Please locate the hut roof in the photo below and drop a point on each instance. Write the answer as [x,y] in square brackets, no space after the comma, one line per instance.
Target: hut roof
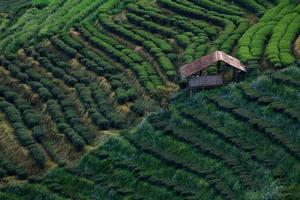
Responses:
[204,62]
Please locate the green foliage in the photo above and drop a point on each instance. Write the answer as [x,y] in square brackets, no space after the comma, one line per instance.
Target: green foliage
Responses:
[76,72]
[278,49]
[41,3]
[252,5]
[272,36]
[125,56]
[7,168]
[28,192]
[23,118]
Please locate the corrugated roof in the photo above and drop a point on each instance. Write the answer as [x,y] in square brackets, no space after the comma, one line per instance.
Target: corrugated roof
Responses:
[204,62]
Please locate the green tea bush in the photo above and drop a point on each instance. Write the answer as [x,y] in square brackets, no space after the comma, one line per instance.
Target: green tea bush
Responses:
[23,134]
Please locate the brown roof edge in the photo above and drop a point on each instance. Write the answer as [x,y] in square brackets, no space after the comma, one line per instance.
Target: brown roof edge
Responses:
[231,60]
[204,62]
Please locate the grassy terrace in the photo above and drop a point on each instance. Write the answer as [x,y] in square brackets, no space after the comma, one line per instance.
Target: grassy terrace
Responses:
[92,105]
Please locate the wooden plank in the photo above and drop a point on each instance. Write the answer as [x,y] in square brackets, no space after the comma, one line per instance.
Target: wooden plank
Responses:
[205,81]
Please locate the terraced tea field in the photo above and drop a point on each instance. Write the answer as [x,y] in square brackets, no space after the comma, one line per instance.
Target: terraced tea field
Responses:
[92,105]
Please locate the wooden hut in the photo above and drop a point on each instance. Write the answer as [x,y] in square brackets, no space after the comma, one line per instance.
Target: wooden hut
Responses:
[193,71]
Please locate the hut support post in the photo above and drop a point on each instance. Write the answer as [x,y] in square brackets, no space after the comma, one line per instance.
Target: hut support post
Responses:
[235,75]
[191,91]
[219,67]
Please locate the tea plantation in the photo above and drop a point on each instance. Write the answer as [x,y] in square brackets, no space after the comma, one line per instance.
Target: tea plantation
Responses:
[92,105]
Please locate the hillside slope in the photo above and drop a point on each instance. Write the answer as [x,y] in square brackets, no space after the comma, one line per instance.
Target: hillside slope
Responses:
[92,107]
